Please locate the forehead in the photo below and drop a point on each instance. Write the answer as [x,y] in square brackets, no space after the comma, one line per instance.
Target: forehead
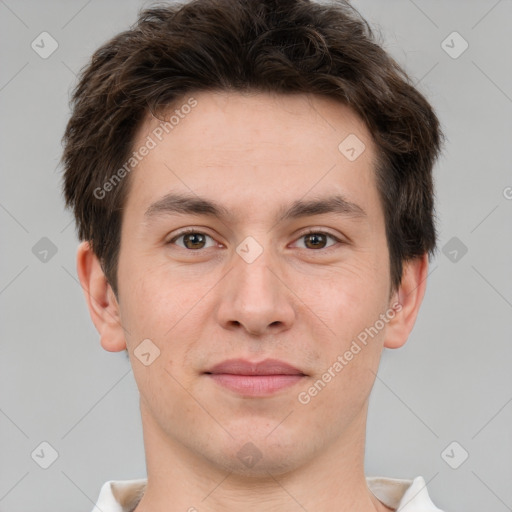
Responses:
[236,145]
[237,118]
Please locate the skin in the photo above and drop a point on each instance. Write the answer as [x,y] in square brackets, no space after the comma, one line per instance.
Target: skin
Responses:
[253,154]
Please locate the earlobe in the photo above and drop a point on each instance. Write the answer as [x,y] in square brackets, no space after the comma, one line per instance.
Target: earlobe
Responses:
[409,296]
[101,301]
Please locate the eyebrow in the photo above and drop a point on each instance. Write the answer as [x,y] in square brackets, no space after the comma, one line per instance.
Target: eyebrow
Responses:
[174,203]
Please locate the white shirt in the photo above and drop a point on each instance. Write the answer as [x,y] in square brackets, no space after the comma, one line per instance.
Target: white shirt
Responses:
[402,495]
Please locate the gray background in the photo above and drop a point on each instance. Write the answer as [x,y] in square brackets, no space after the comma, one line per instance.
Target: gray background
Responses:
[451,382]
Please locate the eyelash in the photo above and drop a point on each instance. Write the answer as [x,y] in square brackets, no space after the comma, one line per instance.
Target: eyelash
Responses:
[309,232]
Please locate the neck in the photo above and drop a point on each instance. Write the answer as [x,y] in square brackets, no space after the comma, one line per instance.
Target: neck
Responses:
[180,479]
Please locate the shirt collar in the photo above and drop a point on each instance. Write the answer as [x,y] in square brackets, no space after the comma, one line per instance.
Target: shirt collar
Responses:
[405,495]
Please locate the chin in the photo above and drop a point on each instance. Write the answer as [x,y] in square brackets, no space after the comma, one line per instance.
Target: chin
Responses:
[264,464]
[258,456]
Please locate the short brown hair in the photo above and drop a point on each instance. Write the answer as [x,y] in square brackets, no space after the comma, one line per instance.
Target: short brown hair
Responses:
[284,46]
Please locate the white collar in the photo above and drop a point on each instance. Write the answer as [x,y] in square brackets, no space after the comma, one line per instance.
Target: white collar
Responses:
[402,495]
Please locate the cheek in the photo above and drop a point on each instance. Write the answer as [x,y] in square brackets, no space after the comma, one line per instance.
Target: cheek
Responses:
[169,312]
[152,298]
[350,360]
[349,297]
[348,302]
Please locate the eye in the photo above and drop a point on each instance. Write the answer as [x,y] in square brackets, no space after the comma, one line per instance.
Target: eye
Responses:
[192,240]
[317,240]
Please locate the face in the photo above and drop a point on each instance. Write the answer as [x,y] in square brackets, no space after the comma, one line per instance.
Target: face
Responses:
[249,234]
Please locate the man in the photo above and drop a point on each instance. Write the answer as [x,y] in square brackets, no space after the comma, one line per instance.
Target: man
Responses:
[252,184]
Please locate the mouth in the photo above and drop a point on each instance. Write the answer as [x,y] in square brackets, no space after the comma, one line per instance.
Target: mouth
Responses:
[247,378]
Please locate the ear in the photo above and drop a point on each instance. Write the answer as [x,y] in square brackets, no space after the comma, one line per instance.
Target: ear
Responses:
[101,300]
[408,298]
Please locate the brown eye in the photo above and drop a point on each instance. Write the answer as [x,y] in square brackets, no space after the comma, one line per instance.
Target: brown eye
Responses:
[192,240]
[316,240]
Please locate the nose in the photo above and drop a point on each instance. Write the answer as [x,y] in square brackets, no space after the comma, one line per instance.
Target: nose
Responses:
[255,297]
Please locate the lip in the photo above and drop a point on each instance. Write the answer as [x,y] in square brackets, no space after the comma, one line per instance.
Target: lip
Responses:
[244,367]
[248,378]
